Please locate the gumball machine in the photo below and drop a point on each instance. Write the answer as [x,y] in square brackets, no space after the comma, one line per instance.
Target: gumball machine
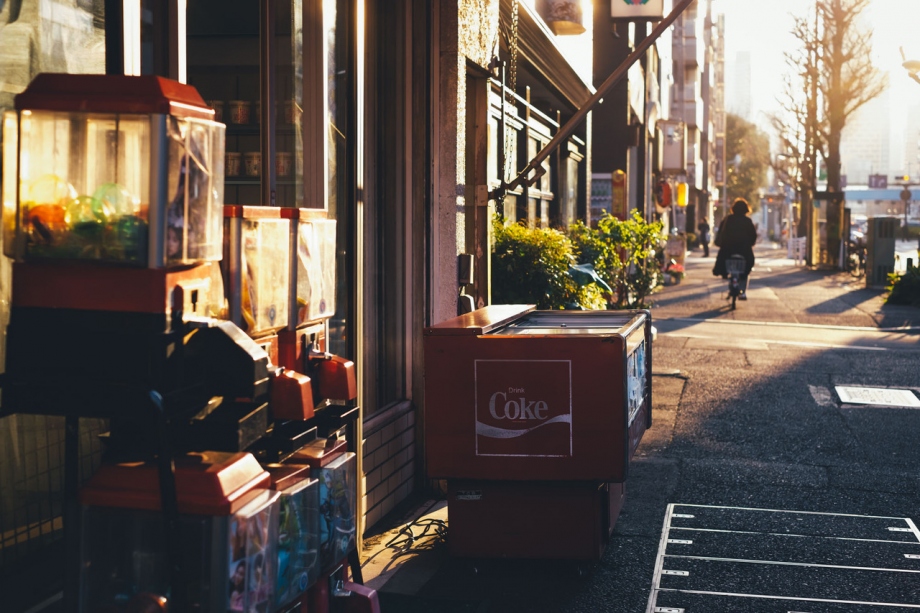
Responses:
[112,212]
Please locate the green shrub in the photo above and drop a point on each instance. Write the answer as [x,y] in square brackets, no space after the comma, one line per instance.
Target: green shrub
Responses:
[623,254]
[904,289]
[691,240]
[637,271]
[590,248]
[530,266]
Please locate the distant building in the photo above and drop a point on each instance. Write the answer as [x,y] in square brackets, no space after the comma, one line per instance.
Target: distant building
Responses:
[864,149]
[911,143]
[696,112]
[740,100]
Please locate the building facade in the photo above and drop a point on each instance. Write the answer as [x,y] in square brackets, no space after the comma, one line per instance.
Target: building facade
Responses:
[401,117]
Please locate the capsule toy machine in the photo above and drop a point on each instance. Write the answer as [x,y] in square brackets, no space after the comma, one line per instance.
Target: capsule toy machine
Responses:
[298,534]
[112,212]
[303,345]
[335,470]
[533,417]
[256,267]
[227,531]
[282,292]
[112,200]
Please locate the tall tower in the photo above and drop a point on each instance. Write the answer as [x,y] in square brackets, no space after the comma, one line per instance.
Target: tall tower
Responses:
[741,99]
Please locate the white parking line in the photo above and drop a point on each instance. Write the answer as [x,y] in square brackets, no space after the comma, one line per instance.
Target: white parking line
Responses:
[670,565]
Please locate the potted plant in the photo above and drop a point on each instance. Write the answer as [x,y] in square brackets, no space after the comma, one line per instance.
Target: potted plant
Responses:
[674,273]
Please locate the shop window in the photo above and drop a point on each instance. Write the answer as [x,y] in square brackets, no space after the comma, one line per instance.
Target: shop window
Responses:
[36,37]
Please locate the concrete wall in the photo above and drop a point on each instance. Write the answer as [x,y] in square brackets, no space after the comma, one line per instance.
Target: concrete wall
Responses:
[467,33]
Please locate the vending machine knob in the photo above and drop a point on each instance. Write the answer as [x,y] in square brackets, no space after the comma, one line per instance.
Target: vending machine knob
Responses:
[292,396]
[336,378]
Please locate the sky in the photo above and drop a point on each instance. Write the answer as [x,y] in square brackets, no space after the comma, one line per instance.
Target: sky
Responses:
[762,28]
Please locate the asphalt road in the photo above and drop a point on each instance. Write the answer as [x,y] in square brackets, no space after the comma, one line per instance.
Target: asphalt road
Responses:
[756,488]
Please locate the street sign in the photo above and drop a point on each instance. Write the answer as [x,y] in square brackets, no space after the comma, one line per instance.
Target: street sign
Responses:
[878,182]
[905,194]
[830,196]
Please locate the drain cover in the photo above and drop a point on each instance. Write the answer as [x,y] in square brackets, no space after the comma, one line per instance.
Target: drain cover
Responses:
[881,396]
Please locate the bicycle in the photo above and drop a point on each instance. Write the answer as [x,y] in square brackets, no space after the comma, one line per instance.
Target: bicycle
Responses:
[856,259]
[735,266]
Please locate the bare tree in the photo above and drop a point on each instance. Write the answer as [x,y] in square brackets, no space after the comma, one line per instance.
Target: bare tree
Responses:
[834,70]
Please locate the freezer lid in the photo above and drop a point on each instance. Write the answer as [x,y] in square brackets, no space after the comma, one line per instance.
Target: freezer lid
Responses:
[574,323]
[481,321]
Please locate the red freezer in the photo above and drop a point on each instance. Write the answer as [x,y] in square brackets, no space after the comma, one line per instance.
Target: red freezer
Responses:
[517,394]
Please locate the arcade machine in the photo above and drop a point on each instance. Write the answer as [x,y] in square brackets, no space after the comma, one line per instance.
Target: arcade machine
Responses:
[113,214]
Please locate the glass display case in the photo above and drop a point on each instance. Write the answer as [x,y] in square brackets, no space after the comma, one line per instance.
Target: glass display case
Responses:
[298,531]
[119,169]
[316,260]
[257,267]
[338,508]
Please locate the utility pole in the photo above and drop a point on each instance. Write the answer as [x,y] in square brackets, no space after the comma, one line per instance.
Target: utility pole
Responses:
[679,77]
[811,150]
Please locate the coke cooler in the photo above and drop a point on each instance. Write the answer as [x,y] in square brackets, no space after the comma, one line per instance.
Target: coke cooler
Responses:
[533,418]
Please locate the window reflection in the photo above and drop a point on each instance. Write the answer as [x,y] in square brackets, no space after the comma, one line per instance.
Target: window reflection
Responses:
[336,36]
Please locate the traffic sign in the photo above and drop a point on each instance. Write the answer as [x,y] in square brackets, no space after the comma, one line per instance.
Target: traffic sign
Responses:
[830,196]
[905,194]
[878,182]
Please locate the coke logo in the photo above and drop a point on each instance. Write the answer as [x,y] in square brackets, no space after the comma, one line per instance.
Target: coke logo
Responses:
[520,409]
[523,408]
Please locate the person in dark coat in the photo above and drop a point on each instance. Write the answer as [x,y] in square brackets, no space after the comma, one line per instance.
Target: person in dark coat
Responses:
[703,227]
[736,236]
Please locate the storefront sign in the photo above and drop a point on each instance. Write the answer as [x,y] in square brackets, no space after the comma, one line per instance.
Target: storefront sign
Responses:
[524,408]
[618,197]
[637,9]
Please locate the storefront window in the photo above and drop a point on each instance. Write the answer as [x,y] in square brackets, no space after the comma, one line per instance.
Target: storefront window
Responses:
[339,73]
[49,36]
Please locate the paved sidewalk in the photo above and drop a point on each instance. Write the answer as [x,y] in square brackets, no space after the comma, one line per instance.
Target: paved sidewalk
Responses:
[779,290]
[745,415]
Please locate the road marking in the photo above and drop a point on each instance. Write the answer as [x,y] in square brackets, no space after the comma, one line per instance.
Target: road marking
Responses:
[703,573]
[780,324]
[880,396]
[796,598]
[822,396]
[672,556]
[752,342]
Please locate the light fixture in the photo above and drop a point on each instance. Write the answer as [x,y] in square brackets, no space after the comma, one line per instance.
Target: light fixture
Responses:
[562,16]
[912,67]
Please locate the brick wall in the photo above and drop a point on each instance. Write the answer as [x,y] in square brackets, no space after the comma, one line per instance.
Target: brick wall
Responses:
[389,461]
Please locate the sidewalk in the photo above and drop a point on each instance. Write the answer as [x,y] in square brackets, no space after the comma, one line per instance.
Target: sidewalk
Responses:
[748,419]
[781,291]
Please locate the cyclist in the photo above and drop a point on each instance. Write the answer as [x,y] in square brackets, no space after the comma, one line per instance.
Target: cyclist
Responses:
[736,236]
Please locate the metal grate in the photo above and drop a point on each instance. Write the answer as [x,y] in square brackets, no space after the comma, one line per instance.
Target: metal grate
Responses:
[32,481]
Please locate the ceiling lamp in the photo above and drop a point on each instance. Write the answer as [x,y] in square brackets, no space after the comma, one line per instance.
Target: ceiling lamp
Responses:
[562,16]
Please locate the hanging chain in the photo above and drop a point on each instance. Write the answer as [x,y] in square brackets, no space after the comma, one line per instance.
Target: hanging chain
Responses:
[513,45]
[512,78]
